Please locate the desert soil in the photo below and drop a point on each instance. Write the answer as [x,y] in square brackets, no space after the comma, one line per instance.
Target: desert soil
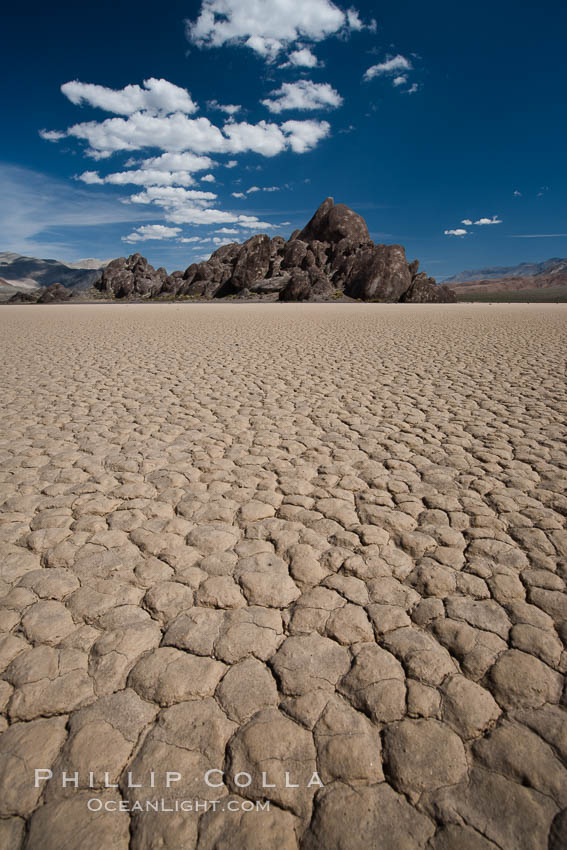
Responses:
[270,539]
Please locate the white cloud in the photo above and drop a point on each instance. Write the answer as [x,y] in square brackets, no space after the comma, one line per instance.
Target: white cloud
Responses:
[399,81]
[268,26]
[92,178]
[412,89]
[177,134]
[251,222]
[301,58]
[190,206]
[232,163]
[164,170]
[178,162]
[208,178]
[302,95]
[187,239]
[305,135]
[171,196]
[466,221]
[158,97]
[354,22]
[458,232]
[229,108]
[493,220]
[151,231]
[517,194]
[253,189]
[389,66]
[228,230]
[139,177]
[51,135]
[238,195]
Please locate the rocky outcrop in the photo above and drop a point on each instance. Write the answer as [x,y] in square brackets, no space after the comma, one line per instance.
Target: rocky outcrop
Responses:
[424,290]
[54,294]
[132,277]
[23,298]
[332,257]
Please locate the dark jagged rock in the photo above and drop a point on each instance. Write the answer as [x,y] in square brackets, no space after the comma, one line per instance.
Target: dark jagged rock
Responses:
[23,298]
[298,287]
[332,257]
[380,272]
[132,277]
[54,294]
[333,222]
[252,263]
[424,290]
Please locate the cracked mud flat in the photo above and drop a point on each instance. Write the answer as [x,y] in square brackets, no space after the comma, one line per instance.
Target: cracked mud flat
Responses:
[284,538]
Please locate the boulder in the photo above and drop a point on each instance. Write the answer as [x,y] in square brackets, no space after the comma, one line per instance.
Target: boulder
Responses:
[252,263]
[333,222]
[379,272]
[298,288]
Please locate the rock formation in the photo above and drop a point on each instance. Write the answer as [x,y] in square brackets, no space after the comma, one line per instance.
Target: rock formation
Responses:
[124,278]
[54,294]
[23,297]
[332,257]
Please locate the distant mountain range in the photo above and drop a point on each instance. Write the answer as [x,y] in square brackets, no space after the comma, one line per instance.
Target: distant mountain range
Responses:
[556,265]
[25,274]
[545,281]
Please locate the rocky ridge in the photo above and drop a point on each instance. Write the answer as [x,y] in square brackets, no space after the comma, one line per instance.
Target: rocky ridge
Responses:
[332,257]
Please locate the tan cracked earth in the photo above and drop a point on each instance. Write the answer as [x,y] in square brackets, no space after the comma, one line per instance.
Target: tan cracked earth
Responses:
[284,538]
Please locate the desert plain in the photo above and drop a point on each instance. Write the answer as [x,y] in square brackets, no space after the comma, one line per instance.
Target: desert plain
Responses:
[308,554]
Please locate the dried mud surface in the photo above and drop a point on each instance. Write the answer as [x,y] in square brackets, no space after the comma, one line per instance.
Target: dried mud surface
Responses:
[278,539]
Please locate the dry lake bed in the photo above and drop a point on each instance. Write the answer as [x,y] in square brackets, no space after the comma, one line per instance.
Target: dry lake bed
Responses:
[280,576]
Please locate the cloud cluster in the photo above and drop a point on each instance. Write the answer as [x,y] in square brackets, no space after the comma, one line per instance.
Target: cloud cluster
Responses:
[253,189]
[269,26]
[303,95]
[169,169]
[468,222]
[159,117]
[150,123]
[192,206]
[482,221]
[390,66]
[151,231]
[157,97]
[228,108]
[179,133]
[396,68]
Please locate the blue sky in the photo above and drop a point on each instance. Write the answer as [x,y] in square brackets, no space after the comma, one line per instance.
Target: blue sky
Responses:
[418,116]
